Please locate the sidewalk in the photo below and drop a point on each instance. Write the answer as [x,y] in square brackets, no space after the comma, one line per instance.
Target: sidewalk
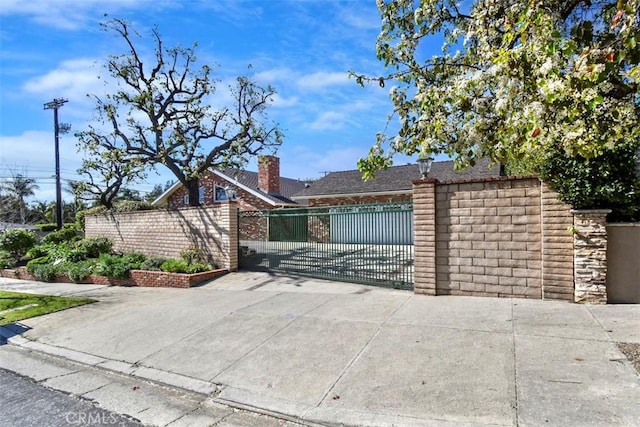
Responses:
[338,353]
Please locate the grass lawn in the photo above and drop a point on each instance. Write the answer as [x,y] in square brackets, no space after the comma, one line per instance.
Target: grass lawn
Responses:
[16,306]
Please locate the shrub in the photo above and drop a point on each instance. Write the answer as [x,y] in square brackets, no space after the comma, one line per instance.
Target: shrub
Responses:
[607,181]
[94,246]
[47,227]
[38,251]
[17,242]
[80,215]
[64,251]
[192,255]
[173,265]
[118,266]
[133,206]
[79,271]
[44,272]
[68,233]
[6,260]
[152,264]
[36,262]
[199,267]
[134,260]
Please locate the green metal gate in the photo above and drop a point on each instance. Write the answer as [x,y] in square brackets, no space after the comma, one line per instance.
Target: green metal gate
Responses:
[371,244]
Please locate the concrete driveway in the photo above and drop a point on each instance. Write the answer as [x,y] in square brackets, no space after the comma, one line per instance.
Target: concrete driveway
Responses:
[334,352]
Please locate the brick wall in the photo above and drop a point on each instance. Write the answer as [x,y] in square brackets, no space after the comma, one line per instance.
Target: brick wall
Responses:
[360,200]
[246,201]
[496,237]
[162,233]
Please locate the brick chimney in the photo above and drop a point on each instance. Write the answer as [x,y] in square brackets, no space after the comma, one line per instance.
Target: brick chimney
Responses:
[269,174]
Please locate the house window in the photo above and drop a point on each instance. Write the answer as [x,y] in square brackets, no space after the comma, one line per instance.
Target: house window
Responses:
[201,194]
[185,200]
[221,194]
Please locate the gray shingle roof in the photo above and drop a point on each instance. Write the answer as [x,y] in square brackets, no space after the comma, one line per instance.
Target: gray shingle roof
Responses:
[396,178]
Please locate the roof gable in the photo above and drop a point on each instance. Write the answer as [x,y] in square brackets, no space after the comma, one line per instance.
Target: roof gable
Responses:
[248,181]
[393,180]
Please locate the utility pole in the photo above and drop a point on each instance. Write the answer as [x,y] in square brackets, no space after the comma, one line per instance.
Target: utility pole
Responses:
[54,105]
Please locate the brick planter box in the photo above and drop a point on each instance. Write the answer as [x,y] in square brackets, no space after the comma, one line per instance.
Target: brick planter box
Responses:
[142,278]
[172,280]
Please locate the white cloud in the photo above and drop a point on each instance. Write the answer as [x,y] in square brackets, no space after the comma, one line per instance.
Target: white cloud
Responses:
[321,80]
[32,154]
[72,79]
[275,75]
[359,21]
[329,120]
[342,115]
[282,102]
[71,14]
[312,162]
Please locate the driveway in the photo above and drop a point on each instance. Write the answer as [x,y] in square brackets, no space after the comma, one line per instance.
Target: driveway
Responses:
[335,352]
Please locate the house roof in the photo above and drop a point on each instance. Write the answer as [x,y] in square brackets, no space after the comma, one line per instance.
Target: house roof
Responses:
[248,181]
[396,179]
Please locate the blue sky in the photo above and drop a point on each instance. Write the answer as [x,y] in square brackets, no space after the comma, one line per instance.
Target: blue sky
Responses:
[304,48]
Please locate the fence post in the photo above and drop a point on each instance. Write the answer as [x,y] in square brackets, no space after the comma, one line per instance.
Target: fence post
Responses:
[424,223]
[590,255]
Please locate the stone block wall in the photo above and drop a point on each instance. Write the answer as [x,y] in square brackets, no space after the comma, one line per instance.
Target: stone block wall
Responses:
[590,257]
[212,229]
[557,246]
[490,238]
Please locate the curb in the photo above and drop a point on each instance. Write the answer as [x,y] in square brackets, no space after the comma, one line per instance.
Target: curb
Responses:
[173,380]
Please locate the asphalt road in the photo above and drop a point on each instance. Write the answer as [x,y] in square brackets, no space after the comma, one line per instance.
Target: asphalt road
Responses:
[24,403]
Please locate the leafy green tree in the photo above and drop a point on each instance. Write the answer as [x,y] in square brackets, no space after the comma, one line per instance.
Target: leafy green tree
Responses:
[129,194]
[21,187]
[513,78]
[9,211]
[17,242]
[607,181]
[154,193]
[42,212]
[162,113]
[106,170]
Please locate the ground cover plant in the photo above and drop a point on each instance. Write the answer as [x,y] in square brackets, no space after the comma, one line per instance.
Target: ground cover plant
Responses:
[15,306]
[64,252]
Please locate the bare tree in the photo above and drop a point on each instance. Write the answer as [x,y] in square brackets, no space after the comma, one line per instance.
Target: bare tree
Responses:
[162,114]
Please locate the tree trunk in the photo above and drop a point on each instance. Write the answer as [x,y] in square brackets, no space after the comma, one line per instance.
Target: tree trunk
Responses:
[193,189]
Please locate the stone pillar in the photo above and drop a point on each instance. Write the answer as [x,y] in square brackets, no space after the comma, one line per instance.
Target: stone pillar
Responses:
[590,255]
[424,226]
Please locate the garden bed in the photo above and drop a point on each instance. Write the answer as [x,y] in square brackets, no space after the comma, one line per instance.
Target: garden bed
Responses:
[142,278]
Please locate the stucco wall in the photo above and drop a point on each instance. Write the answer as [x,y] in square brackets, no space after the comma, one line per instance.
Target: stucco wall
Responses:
[623,263]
